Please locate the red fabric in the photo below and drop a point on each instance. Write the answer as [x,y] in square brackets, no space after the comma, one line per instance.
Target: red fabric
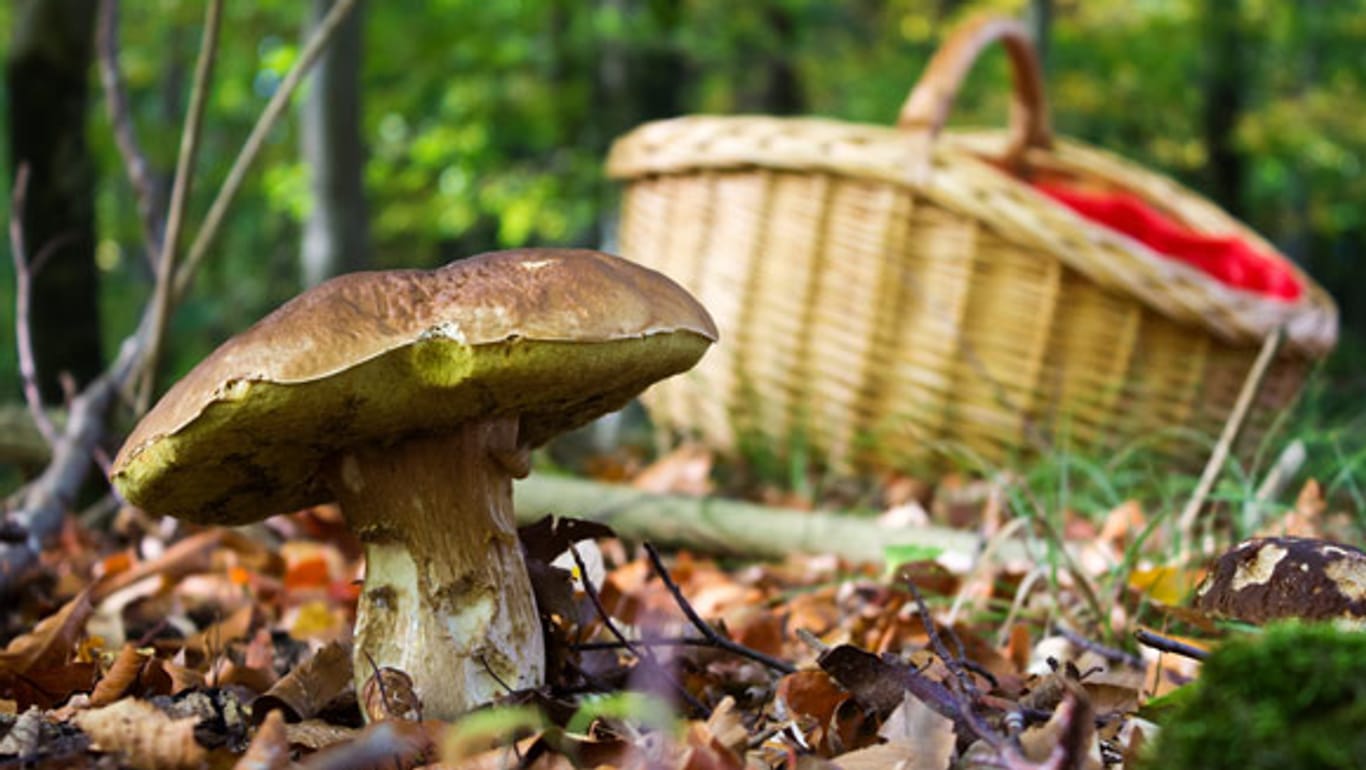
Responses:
[1229,259]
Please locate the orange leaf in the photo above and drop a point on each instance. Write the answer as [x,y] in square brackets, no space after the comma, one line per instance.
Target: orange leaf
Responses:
[312,572]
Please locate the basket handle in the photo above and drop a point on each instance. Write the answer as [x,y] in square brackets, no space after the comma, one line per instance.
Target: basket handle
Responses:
[927,108]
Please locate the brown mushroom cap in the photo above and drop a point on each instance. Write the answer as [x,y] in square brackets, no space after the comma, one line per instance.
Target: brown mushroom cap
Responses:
[557,337]
[1267,578]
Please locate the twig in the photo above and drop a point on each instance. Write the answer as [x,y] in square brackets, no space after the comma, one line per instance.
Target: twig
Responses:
[44,501]
[1165,644]
[136,165]
[952,659]
[180,195]
[1251,385]
[1107,653]
[706,630]
[591,592]
[23,294]
[644,655]
[629,644]
[213,220]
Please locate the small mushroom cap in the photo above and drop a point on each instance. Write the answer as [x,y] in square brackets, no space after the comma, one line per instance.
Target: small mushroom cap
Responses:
[554,336]
[1266,578]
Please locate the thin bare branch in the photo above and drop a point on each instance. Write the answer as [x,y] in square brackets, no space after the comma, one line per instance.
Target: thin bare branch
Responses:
[213,220]
[1167,644]
[1252,384]
[642,653]
[23,294]
[705,628]
[37,510]
[180,195]
[136,166]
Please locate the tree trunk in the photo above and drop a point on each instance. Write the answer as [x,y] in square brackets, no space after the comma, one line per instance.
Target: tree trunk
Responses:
[782,88]
[336,235]
[47,73]
[1226,73]
[1040,20]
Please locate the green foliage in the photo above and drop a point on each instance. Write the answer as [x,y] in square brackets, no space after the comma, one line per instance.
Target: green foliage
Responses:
[637,708]
[487,123]
[1291,697]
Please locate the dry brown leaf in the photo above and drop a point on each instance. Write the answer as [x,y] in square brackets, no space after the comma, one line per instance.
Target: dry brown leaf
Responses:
[311,685]
[1070,732]
[269,749]
[386,745]
[684,471]
[212,640]
[51,642]
[834,720]
[920,727]
[315,734]
[891,756]
[389,693]
[144,735]
[704,751]
[120,677]
[727,724]
[525,753]
[181,677]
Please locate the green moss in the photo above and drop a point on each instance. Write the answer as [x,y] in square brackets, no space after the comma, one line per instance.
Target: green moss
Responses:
[1291,697]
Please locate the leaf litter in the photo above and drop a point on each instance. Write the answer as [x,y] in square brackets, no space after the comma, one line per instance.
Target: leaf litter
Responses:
[179,648]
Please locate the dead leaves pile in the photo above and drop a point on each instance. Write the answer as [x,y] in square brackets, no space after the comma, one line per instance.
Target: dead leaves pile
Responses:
[221,649]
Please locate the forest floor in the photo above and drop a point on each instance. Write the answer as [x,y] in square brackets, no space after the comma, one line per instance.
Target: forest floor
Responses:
[149,644]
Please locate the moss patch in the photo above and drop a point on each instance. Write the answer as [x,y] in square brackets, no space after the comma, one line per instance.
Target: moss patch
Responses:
[1291,697]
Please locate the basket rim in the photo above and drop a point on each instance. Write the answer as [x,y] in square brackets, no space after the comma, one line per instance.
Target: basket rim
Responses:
[959,176]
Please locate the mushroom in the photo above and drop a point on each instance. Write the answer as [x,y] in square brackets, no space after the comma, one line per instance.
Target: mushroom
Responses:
[413,398]
[1268,578]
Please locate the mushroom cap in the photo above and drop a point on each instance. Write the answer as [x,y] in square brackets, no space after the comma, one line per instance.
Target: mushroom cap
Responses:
[1266,578]
[556,337]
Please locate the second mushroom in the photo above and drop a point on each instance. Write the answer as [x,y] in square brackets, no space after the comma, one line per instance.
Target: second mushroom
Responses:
[413,398]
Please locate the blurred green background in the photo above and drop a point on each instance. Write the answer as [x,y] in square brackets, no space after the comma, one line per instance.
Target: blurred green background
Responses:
[485,123]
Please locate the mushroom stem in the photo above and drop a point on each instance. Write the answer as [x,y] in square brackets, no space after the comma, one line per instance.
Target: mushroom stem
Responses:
[446,599]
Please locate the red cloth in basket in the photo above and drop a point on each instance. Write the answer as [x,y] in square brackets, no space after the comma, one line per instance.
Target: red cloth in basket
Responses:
[1229,259]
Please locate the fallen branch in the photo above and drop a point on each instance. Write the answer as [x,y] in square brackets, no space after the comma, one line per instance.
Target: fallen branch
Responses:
[21,443]
[733,527]
[1252,384]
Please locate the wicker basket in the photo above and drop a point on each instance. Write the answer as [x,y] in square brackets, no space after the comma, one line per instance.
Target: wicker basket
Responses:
[885,294]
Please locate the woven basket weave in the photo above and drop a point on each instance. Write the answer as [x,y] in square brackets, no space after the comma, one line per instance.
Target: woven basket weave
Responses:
[885,294]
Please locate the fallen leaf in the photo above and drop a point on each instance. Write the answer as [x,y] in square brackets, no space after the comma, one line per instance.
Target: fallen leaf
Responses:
[213,640]
[392,743]
[684,471]
[269,749]
[51,642]
[389,694]
[1067,740]
[120,677]
[304,691]
[143,735]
